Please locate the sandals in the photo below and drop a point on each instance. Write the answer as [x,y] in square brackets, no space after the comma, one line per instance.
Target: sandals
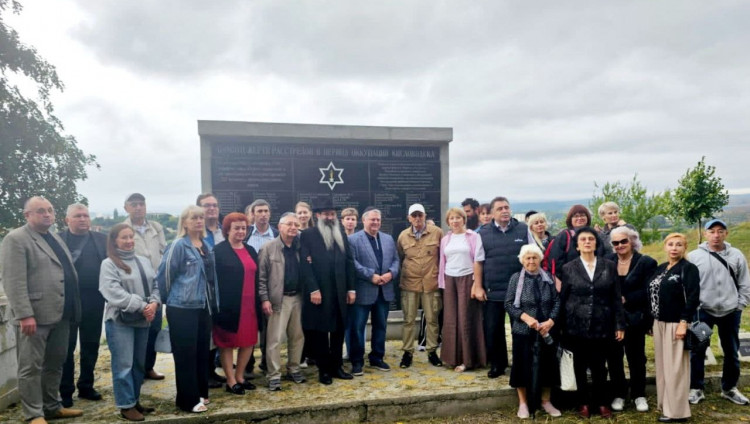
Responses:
[460,368]
[200,407]
[205,401]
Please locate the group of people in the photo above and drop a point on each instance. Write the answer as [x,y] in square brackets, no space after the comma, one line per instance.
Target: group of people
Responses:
[233,282]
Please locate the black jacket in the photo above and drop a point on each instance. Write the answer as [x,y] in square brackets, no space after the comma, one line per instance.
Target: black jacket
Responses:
[563,250]
[100,244]
[331,272]
[635,287]
[593,310]
[678,284]
[230,276]
[501,256]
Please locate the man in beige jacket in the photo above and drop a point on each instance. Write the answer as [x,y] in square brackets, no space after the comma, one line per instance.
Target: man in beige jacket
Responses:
[280,291]
[419,251]
[150,243]
[42,288]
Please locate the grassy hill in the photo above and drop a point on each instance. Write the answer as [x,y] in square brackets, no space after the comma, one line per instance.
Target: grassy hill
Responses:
[739,237]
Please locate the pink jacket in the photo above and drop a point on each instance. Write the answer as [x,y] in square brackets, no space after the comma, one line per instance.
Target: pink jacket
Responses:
[471,237]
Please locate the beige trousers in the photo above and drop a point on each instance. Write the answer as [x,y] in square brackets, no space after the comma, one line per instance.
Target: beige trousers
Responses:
[431,303]
[672,371]
[288,320]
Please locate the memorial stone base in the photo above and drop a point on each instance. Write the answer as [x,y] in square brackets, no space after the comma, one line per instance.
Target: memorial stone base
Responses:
[8,361]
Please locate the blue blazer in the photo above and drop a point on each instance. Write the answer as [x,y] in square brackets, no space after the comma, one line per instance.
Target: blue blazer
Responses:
[366,264]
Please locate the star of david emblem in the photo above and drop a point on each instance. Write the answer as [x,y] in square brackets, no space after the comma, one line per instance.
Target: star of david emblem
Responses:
[331,176]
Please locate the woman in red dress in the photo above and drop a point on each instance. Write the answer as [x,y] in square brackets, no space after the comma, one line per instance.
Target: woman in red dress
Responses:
[236,325]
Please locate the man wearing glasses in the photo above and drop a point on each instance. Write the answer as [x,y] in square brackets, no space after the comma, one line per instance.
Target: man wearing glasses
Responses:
[280,291]
[41,283]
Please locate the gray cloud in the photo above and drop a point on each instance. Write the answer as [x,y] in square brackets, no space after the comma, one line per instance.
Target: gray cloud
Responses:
[544,98]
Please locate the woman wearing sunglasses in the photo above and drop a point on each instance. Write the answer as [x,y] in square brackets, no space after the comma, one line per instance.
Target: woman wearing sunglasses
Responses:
[633,273]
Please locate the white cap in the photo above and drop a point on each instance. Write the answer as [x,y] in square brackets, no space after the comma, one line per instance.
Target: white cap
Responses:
[416,208]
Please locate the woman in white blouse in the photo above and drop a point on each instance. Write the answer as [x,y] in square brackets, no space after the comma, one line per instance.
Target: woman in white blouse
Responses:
[463,338]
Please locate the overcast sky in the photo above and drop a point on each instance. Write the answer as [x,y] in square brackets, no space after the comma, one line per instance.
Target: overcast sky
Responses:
[544,97]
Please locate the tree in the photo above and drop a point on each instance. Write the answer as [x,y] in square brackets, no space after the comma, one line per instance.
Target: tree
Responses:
[700,194]
[637,207]
[36,158]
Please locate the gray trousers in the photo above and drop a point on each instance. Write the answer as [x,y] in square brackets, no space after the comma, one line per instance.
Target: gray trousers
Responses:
[40,361]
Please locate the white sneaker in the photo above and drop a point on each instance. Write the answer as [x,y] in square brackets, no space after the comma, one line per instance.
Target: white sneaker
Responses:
[734,395]
[618,404]
[551,410]
[641,405]
[696,395]
[523,411]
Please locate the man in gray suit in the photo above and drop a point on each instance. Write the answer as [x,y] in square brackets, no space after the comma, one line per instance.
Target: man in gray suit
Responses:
[377,264]
[42,288]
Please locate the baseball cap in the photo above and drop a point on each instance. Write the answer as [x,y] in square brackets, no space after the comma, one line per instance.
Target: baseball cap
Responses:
[715,221]
[416,208]
[135,196]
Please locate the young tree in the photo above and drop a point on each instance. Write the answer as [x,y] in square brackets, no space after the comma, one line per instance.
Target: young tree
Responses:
[36,158]
[637,207]
[699,195]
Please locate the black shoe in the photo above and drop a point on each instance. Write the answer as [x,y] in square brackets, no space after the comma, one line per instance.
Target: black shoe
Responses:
[406,360]
[248,385]
[341,374]
[237,389]
[217,377]
[144,409]
[434,359]
[325,378]
[213,384]
[495,372]
[90,394]
[67,401]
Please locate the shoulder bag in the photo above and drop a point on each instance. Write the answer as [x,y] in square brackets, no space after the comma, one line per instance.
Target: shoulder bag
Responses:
[698,335]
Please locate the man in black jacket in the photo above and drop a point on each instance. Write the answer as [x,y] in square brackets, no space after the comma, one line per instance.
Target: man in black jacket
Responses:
[329,286]
[88,249]
[502,240]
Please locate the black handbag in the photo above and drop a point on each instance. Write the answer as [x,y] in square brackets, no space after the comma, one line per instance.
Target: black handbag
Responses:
[137,317]
[698,336]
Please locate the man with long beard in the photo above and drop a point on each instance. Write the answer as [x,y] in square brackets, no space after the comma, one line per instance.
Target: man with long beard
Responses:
[329,278]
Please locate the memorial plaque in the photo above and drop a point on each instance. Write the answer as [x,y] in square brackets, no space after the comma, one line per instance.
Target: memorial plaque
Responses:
[387,177]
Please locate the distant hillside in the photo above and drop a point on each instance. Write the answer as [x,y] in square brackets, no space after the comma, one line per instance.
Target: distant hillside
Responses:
[739,237]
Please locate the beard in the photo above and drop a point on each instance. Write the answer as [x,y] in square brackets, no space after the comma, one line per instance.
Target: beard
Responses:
[331,232]
[472,222]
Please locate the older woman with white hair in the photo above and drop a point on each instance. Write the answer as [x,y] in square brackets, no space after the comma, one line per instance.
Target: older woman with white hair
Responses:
[633,273]
[609,212]
[533,304]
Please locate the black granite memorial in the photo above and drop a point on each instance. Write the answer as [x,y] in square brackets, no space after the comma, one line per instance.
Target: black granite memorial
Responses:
[389,178]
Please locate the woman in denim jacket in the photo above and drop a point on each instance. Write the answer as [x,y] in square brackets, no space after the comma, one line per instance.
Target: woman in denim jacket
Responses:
[187,283]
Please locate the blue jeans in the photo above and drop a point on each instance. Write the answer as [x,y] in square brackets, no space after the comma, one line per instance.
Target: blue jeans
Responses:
[379,319]
[729,337]
[127,346]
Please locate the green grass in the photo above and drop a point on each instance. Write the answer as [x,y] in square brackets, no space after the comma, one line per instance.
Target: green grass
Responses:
[739,237]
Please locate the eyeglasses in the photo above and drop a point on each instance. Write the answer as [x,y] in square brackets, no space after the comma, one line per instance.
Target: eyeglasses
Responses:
[620,242]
